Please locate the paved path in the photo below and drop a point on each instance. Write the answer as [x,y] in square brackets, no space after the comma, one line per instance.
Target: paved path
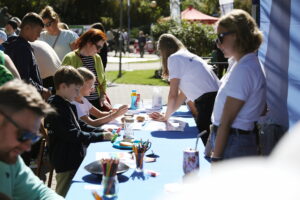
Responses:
[133,62]
[120,93]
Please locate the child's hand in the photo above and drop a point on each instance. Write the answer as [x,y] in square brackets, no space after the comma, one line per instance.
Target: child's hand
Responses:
[107,136]
[122,110]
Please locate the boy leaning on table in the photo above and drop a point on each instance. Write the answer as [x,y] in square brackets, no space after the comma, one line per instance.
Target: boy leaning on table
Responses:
[68,136]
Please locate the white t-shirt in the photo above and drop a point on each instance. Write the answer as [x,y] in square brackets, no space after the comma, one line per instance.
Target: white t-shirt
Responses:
[83,108]
[196,76]
[46,58]
[62,46]
[245,81]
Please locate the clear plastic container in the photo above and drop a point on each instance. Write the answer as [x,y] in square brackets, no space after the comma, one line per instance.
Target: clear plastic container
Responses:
[156,98]
[128,128]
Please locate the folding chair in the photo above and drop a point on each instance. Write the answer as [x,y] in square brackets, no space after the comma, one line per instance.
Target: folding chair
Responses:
[41,154]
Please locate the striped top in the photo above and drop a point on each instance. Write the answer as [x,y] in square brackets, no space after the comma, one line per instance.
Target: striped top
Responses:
[89,63]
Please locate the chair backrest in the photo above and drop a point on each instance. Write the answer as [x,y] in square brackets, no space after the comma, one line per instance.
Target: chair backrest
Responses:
[44,133]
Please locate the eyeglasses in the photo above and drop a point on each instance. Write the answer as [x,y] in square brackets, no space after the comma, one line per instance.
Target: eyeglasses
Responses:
[48,24]
[24,135]
[221,36]
[98,47]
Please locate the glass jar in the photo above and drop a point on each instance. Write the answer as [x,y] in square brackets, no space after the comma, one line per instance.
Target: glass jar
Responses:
[128,128]
[110,187]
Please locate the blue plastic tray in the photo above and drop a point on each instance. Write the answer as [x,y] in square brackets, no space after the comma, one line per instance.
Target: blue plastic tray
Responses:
[116,144]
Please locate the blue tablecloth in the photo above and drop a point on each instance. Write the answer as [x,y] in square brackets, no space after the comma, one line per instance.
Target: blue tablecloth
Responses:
[169,145]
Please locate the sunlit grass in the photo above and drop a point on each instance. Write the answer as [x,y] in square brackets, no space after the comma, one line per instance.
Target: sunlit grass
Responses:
[139,77]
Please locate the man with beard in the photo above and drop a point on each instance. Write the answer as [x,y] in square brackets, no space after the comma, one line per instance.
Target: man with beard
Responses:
[21,111]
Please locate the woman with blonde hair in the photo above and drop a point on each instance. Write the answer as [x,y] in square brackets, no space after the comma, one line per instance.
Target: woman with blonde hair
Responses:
[241,98]
[61,40]
[191,80]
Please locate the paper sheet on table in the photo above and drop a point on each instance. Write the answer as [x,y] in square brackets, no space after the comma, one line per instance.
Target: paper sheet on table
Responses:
[172,124]
[115,124]
[124,157]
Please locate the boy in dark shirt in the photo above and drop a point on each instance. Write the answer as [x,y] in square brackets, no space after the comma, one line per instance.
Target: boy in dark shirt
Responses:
[21,53]
[68,136]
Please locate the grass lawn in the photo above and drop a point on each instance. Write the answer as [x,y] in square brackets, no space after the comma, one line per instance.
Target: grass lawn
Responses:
[139,77]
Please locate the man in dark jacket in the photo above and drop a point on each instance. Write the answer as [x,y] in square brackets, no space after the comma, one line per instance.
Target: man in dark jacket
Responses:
[20,51]
[68,136]
[142,43]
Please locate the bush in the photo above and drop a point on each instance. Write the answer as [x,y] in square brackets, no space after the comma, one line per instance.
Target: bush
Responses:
[198,38]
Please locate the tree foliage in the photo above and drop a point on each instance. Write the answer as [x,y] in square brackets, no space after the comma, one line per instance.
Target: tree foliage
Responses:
[209,7]
[198,38]
[142,15]
[90,11]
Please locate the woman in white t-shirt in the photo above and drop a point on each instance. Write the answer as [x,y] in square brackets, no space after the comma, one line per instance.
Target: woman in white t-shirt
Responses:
[62,41]
[191,80]
[85,110]
[241,98]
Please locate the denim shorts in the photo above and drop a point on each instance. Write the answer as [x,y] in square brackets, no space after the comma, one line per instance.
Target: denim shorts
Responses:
[238,145]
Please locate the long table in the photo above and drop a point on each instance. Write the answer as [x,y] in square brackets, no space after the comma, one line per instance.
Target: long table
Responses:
[169,145]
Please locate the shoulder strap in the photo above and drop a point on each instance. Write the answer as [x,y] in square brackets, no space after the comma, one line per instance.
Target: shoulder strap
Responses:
[56,40]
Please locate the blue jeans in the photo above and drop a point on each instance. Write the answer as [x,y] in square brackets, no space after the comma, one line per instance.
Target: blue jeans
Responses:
[238,145]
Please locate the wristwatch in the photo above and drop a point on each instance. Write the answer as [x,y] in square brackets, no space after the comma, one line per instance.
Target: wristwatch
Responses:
[214,159]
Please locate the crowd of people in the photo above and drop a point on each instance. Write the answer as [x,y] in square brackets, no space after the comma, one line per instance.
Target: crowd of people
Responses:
[67,71]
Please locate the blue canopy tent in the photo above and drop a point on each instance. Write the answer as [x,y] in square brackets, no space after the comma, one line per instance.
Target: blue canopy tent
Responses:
[280,54]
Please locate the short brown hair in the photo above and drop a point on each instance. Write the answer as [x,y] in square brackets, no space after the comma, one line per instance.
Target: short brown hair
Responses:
[49,13]
[92,35]
[32,19]
[86,73]
[68,75]
[17,95]
[248,36]
[167,45]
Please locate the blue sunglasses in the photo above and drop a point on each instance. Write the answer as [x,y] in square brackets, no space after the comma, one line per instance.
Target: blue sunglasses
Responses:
[24,135]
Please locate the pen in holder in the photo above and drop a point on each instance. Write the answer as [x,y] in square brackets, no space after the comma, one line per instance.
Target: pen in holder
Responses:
[139,153]
[110,179]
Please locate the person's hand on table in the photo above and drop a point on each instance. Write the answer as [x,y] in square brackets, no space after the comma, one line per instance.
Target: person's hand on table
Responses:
[121,110]
[158,117]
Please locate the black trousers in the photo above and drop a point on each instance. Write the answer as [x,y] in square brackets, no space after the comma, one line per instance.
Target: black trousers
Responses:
[205,105]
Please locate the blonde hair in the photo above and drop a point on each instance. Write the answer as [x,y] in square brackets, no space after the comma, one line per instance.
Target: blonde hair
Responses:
[86,73]
[167,45]
[248,36]
[49,13]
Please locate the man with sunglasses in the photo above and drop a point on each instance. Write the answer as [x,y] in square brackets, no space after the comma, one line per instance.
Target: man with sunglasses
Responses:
[21,111]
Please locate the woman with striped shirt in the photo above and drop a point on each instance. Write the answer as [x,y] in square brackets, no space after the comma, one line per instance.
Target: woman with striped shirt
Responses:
[89,44]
